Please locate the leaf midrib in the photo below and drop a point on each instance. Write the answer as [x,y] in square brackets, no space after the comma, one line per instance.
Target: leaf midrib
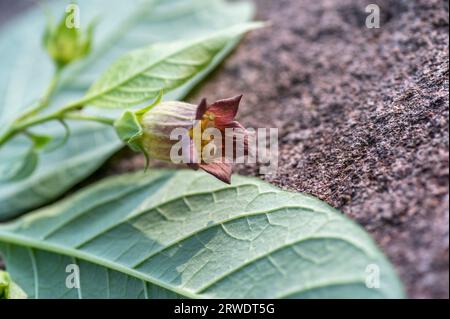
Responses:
[64,250]
[76,253]
[129,270]
[245,27]
[90,98]
[133,214]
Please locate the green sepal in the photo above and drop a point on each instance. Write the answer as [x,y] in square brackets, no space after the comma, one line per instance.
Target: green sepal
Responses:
[87,38]
[128,125]
[49,29]
[157,100]
[129,130]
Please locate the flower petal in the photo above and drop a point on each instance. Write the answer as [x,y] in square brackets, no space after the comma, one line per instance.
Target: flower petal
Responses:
[239,134]
[225,110]
[201,109]
[191,155]
[219,170]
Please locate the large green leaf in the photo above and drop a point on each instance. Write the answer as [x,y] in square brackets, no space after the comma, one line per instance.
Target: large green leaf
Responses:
[185,234]
[124,26]
[141,74]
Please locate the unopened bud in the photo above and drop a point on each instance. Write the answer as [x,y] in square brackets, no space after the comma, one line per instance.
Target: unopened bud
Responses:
[65,43]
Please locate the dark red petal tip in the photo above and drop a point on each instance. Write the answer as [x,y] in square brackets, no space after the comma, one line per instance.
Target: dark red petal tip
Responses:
[221,171]
[225,110]
[201,109]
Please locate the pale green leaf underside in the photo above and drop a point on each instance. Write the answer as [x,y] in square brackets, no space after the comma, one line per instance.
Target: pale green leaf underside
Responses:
[124,26]
[140,75]
[168,234]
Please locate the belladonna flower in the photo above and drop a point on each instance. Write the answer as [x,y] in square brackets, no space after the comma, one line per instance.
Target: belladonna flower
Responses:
[204,136]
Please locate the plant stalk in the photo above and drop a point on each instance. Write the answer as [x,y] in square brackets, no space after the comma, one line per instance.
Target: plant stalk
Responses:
[45,100]
[61,115]
[81,117]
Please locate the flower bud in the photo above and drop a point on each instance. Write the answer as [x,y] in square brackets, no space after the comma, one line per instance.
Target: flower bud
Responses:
[159,123]
[65,43]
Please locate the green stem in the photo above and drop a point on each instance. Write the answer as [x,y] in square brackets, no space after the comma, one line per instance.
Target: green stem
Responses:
[82,117]
[7,136]
[36,120]
[45,100]
[60,115]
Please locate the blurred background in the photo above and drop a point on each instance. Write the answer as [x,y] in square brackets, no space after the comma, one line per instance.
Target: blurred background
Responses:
[9,8]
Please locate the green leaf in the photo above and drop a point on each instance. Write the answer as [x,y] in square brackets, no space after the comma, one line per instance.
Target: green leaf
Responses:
[125,26]
[15,292]
[9,289]
[21,168]
[25,165]
[140,75]
[169,234]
